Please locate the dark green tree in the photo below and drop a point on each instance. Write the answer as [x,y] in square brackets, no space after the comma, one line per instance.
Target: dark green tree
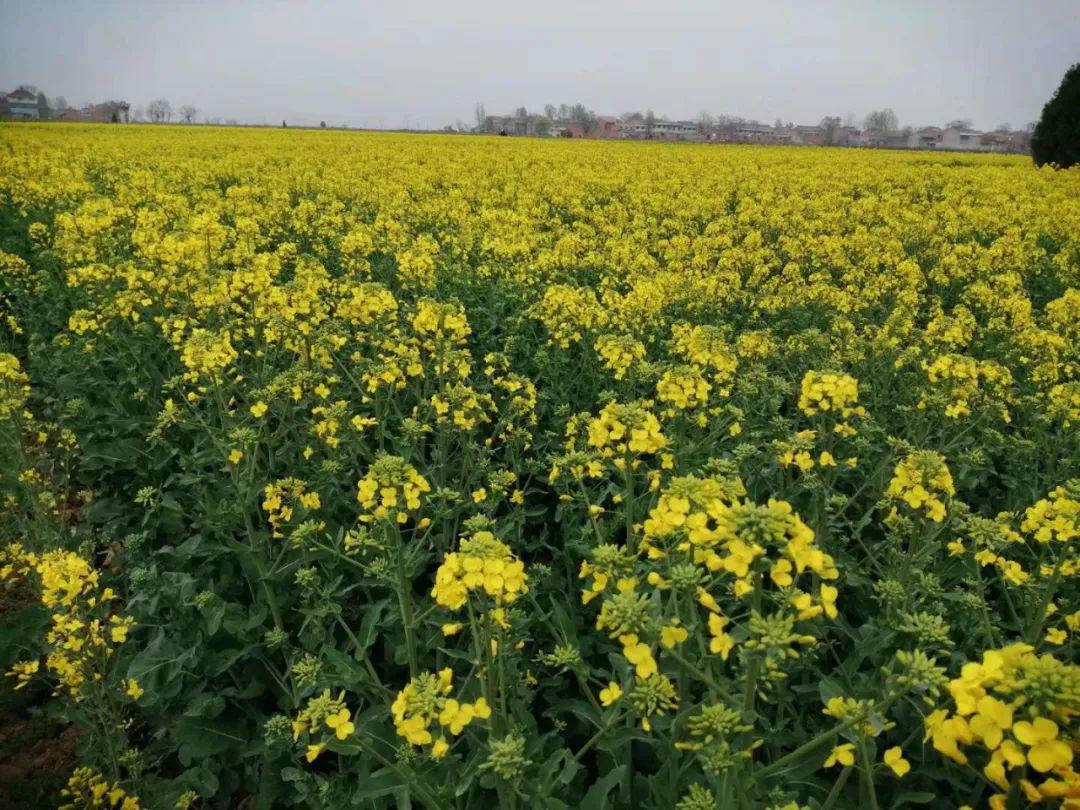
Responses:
[1057,135]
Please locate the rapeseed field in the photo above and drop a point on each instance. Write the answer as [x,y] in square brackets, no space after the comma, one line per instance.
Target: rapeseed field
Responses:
[388,470]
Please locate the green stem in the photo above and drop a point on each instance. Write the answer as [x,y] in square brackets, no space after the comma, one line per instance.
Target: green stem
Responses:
[750,689]
[834,794]
[1035,626]
[709,681]
[409,781]
[362,653]
[868,775]
[628,504]
[824,737]
[404,595]
[595,738]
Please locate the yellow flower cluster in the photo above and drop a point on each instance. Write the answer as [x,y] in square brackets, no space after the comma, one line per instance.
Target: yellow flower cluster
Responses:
[968,381]
[1020,709]
[799,451]
[568,313]
[1054,519]
[321,718]
[206,354]
[425,702]
[1063,403]
[683,387]
[440,325]
[280,499]
[86,788]
[704,519]
[84,632]
[619,353]
[706,346]
[828,392]
[482,564]
[14,386]
[391,490]
[922,480]
[626,428]
[461,406]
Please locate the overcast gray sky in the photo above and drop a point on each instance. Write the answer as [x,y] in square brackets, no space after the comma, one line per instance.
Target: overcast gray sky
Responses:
[427,62]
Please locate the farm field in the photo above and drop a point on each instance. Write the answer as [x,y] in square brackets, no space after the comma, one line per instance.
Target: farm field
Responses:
[388,471]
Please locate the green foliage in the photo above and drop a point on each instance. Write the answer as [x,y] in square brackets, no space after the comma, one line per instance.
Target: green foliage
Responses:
[1056,139]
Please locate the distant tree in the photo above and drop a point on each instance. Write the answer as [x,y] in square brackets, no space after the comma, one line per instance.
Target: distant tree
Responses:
[564,112]
[138,114]
[541,125]
[830,126]
[521,114]
[159,111]
[705,123]
[778,124]
[551,111]
[187,114]
[43,106]
[480,116]
[959,123]
[1056,138]
[850,120]
[580,114]
[322,125]
[882,122]
[1006,127]
[59,104]
[632,117]
[650,124]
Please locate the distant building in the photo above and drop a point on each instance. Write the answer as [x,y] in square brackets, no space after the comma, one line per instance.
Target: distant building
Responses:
[635,130]
[785,135]
[109,112]
[602,127]
[848,136]
[925,138]
[810,135]
[753,133]
[1002,140]
[606,127]
[661,131]
[21,105]
[957,138]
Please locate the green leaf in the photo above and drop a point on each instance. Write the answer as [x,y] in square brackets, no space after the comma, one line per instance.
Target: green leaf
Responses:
[913,797]
[202,739]
[597,797]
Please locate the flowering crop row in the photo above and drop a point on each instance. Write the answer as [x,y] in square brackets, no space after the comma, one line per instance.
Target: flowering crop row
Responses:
[361,470]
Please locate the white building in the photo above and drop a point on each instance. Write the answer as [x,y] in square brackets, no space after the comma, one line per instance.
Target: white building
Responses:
[957,138]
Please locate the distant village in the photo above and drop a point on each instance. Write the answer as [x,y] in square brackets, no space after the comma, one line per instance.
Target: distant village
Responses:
[30,104]
[880,129]
[958,136]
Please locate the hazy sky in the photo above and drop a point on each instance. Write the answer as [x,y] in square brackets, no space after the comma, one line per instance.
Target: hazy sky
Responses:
[426,63]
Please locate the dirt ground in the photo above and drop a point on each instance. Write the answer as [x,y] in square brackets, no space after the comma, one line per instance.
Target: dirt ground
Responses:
[37,751]
[36,755]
